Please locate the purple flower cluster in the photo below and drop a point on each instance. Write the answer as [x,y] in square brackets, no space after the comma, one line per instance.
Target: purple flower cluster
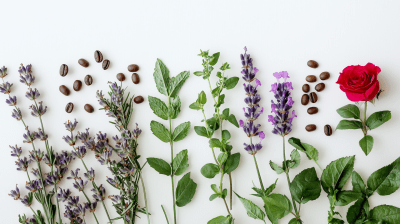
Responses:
[284,102]
[3,72]
[25,74]
[252,100]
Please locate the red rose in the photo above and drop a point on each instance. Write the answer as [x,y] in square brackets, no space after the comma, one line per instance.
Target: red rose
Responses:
[360,83]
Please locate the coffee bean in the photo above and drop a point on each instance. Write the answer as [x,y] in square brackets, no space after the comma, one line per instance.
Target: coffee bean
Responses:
[311,127]
[313,97]
[133,68]
[305,99]
[319,87]
[88,80]
[77,85]
[83,62]
[106,64]
[121,77]
[69,107]
[324,75]
[312,110]
[64,90]
[311,78]
[98,56]
[306,88]
[88,108]
[312,64]
[63,70]
[138,99]
[135,78]
[328,130]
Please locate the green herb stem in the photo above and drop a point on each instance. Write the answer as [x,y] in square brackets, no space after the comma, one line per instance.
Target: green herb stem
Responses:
[258,172]
[87,198]
[171,143]
[166,217]
[365,119]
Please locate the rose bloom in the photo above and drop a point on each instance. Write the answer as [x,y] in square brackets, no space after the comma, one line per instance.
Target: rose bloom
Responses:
[360,83]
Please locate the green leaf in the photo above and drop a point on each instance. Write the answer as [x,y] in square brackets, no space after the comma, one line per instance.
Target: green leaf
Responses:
[232,163]
[294,221]
[231,82]
[202,99]
[160,166]
[295,162]
[160,131]
[253,210]
[336,174]
[161,77]
[176,83]
[221,100]
[349,111]
[198,73]
[215,58]
[349,124]
[385,213]
[195,106]
[276,206]
[336,221]
[159,108]
[222,157]
[215,189]
[185,190]
[276,167]
[270,188]
[305,186]
[346,197]
[357,182]
[358,212]
[220,220]
[232,119]
[181,131]
[213,196]
[226,135]
[202,131]
[175,108]
[209,170]
[225,113]
[215,143]
[366,144]
[180,162]
[309,150]
[386,180]
[378,118]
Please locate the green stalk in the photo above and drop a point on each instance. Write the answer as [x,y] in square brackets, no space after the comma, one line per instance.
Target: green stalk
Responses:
[144,189]
[258,170]
[172,158]
[365,119]
[87,198]
[166,217]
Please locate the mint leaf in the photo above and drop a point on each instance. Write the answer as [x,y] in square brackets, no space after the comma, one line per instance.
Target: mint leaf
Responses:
[309,150]
[378,118]
[357,182]
[366,144]
[253,210]
[346,197]
[231,82]
[175,108]
[349,111]
[294,221]
[160,131]
[176,83]
[160,166]
[180,162]
[159,108]
[198,73]
[336,174]
[358,212]
[275,167]
[232,163]
[209,170]
[295,162]
[181,131]
[305,186]
[349,124]
[386,180]
[221,220]
[195,106]
[161,77]
[276,206]
[200,130]
[185,190]
[215,143]
[386,213]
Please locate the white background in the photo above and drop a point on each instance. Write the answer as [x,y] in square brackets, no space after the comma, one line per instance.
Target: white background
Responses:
[280,36]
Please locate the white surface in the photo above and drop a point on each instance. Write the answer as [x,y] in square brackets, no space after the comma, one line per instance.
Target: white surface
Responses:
[280,36]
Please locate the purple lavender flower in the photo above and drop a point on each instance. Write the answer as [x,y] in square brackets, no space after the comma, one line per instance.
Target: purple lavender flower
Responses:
[3,72]
[79,184]
[15,151]
[74,175]
[284,102]
[70,140]
[35,172]
[52,179]
[102,137]
[27,200]
[114,181]
[84,136]
[5,88]
[34,185]
[63,159]
[79,152]
[28,136]
[32,94]
[99,193]
[36,155]
[91,206]
[46,159]
[26,75]
[15,193]
[90,174]
[63,195]
[16,113]
[70,126]
[137,131]
[252,112]
[41,135]
[90,144]
[38,110]
[11,101]
[115,198]
[22,164]
[72,215]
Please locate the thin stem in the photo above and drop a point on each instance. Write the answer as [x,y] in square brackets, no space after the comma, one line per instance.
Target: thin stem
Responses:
[230,187]
[226,205]
[171,143]
[105,208]
[365,118]
[87,198]
[166,217]
[145,198]
[258,172]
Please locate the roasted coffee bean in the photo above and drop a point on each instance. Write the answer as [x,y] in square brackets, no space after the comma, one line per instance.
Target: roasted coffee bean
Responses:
[64,90]
[69,107]
[312,110]
[77,85]
[306,88]
[135,78]
[83,62]
[311,127]
[328,130]
[311,78]
[313,97]
[88,108]
[312,64]
[319,87]
[88,80]
[63,70]
[98,56]
[324,75]
[133,68]
[121,77]
[305,99]
[138,99]
[106,64]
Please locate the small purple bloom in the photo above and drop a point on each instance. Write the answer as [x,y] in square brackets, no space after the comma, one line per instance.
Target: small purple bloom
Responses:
[15,193]
[79,152]
[91,206]
[79,184]
[15,151]
[27,201]
[70,126]
[36,155]
[241,123]
[3,72]
[99,193]
[26,75]
[16,113]
[5,88]
[38,110]
[90,174]
[32,94]
[277,75]
[84,136]
[137,131]
[285,75]
[74,175]
[70,139]
[11,101]
[22,164]
[63,195]
[28,136]
[274,87]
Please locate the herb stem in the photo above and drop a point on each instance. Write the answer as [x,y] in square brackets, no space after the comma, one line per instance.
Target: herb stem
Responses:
[144,189]
[172,158]
[258,172]
[166,217]
[87,198]
[105,208]
[365,119]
